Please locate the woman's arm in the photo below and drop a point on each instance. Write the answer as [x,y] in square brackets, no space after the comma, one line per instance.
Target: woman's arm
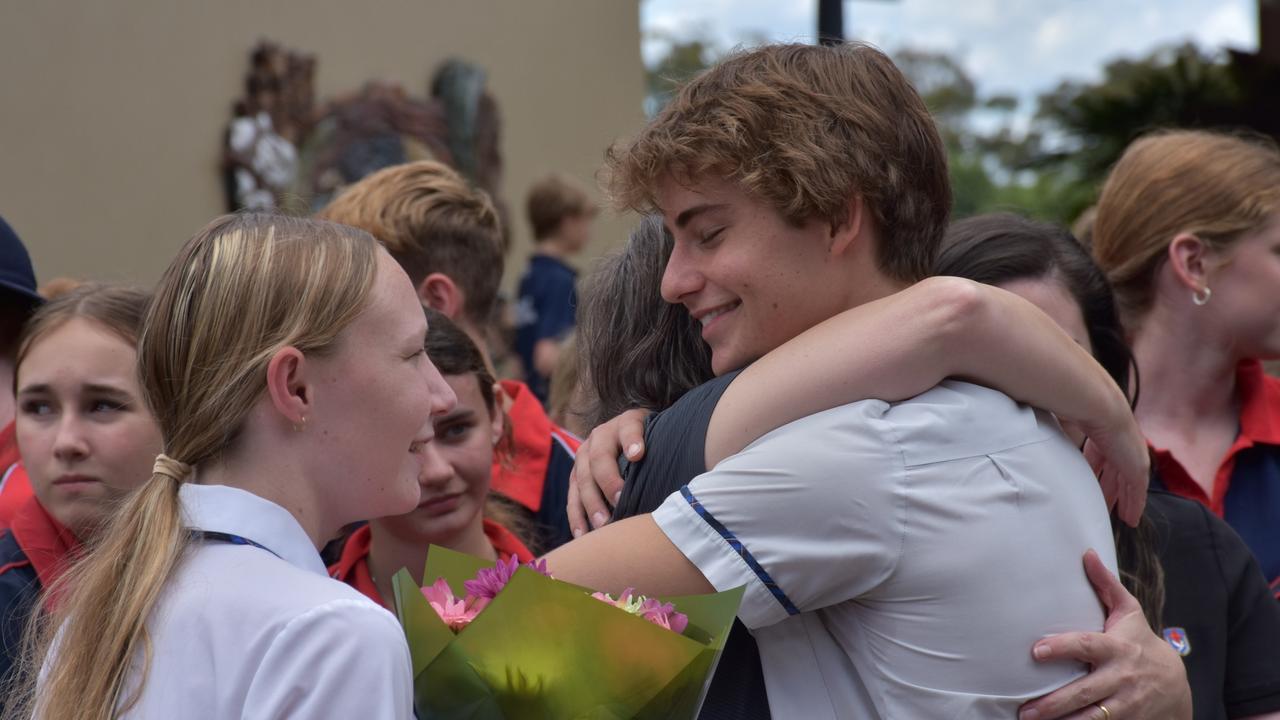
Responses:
[901,345]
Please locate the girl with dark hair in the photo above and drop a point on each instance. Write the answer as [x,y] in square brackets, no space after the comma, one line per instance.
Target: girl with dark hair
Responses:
[1196,580]
[663,356]
[456,509]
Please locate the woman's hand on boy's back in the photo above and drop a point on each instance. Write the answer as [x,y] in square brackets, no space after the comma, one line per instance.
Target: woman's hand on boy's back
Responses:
[1133,673]
[595,483]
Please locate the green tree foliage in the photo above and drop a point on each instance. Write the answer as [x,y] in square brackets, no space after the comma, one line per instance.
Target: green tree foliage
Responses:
[1173,87]
[1053,169]
[989,161]
[684,58]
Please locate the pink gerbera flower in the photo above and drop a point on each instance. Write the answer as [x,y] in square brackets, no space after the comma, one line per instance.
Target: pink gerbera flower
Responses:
[455,613]
[490,581]
[662,614]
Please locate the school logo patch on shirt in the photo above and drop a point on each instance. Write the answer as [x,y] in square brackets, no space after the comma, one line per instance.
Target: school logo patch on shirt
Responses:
[1177,637]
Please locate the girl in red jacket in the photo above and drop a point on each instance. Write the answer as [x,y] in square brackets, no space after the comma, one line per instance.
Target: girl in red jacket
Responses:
[85,435]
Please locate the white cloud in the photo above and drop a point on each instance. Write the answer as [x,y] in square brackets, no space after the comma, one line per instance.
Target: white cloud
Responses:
[1229,25]
[1019,46]
[1052,36]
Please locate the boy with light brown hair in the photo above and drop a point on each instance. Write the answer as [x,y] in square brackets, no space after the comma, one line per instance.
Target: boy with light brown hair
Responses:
[448,238]
[444,233]
[560,213]
[800,183]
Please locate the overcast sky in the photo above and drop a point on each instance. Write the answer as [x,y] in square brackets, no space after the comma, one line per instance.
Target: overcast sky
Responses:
[1020,47]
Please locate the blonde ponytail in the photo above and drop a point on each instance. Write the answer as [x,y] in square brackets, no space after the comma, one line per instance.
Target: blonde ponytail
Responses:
[115,588]
[241,289]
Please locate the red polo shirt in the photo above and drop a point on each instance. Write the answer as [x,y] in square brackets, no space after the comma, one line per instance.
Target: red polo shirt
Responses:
[352,567]
[1246,488]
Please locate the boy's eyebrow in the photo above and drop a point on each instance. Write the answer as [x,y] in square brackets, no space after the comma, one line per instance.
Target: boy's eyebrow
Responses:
[689,214]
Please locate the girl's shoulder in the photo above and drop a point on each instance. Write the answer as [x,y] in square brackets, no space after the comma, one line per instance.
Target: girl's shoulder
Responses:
[18,580]
[220,585]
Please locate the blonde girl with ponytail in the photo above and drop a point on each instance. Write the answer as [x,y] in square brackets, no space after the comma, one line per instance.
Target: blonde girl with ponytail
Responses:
[283,360]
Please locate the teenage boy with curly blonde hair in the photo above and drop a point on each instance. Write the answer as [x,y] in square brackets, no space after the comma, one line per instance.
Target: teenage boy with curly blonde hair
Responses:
[801,182]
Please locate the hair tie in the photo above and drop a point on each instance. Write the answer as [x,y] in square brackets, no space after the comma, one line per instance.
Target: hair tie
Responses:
[175,470]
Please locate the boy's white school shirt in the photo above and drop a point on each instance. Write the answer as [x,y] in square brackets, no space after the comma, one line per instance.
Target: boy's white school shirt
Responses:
[901,560]
[258,634]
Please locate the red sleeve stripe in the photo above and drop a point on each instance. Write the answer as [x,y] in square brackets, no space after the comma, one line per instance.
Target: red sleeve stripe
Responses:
[14,566]
[566,440]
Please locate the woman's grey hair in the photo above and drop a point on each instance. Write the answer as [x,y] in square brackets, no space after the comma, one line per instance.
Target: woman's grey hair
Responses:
[636,350]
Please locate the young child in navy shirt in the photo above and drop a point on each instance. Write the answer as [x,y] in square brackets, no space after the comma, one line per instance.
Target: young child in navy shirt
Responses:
[561,214]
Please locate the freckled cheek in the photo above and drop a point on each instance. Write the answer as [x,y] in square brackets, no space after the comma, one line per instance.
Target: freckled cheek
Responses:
[127,454]
[35,444]
[41,477]
[478,480]
[473,464]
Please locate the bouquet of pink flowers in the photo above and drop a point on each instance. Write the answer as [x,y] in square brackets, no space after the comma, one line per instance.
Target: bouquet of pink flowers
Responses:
[516,643]
[488,582]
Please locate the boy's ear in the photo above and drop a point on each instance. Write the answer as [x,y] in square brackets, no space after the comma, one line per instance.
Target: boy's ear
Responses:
[848,229]
[440,293]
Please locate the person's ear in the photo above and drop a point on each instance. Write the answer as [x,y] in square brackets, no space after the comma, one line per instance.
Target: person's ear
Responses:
[440,293]
[1191,261]
[497,419]
[501,398]
[289,387]
[848,229]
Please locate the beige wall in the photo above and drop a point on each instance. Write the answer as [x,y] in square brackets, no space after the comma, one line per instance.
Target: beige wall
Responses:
[113,112]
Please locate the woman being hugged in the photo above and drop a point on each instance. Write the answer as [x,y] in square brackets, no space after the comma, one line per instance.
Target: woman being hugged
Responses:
[283,359]
[1188,232]
[456,509]
[86,439]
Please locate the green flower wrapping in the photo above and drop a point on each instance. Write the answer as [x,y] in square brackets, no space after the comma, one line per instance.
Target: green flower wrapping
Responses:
[546,649]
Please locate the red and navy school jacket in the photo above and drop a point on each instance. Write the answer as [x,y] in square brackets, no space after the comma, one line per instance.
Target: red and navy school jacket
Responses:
[1246,489]
[537,475]
[15,488]
[34,552]
[352,567]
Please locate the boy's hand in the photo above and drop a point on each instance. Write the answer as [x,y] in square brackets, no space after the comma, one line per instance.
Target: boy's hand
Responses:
[595,483]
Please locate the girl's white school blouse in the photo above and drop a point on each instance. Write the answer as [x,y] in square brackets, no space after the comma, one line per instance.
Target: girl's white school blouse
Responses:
[257,630]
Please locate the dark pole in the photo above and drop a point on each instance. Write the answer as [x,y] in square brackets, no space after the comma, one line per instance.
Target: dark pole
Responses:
[830,22]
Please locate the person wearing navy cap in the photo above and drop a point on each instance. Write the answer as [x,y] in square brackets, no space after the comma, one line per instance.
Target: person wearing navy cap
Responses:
[18,299]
